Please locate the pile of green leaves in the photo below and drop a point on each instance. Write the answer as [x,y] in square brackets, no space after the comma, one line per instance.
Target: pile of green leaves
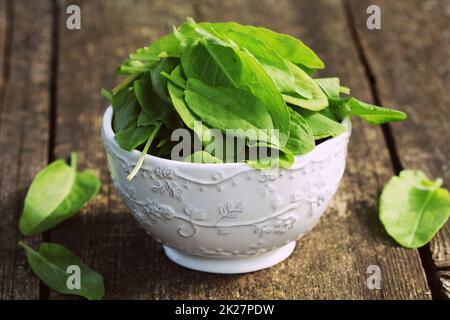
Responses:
[231,76]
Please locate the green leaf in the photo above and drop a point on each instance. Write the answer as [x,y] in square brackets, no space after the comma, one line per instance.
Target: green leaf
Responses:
[368,112]
[285,45]
[413,208]
[220,65]
[133,136]
[145,58]
[318,101]
[144,120]
[329,114]
[285,160]
[140,161]
[331,86]
[51,264]
[125,109]
[227,108]
[188,117]
[149,101]
[159,82]
[271,61]
[202,157]
[301,139]
[322,126]
[56,193]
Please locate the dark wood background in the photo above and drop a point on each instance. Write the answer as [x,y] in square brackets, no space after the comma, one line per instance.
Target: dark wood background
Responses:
[50,105]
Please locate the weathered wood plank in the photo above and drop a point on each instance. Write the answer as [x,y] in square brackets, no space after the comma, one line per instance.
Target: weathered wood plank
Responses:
[415,41]
[24,135]
[328,263]
[3,36]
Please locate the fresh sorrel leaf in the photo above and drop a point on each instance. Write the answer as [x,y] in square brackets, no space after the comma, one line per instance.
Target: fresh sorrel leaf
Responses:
[149,101]
[145,58]
[227,108]
[145,120]
[271,61]
[301,139]
[368,112]
[285,45]
[413,208]
[225,66]
[202,157]
[331,86]
[329,114]
[132,137]
[126,109]
[58,268]
[56,193]
[188,117]
[321,126]
[318,101]
[159,82]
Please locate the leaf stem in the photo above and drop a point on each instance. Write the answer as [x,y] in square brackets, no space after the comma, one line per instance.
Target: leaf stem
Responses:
[176,81]
[125,82]
[73,160]
[144,152]
[23,244]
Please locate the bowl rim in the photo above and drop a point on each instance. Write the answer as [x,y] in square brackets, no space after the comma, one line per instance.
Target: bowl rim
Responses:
[109,136]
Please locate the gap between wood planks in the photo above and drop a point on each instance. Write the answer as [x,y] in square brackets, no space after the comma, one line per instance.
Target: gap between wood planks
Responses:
[44,291]
[424,252]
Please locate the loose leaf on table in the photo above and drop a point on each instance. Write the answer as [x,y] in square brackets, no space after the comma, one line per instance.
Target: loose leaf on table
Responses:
[318,101]
[321,126]
[56,194]
[54,265]
[202,157]
[218,64]
[413,208]
[286,46]
[370,113]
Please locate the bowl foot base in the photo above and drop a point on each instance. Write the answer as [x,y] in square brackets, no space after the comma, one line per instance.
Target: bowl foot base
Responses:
[230,265]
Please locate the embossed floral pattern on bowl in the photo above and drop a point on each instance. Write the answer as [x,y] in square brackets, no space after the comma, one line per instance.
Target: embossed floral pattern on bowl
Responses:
[227,218]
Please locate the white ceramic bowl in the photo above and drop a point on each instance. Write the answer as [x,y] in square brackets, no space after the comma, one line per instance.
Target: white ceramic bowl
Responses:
[227,218]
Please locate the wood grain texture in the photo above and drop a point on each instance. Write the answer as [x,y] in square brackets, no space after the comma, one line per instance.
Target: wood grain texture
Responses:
[24,135]
[3,36]
[415,41]
[329,263]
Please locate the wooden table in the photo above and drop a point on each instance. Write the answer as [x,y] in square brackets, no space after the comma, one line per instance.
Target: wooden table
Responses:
[50,105]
